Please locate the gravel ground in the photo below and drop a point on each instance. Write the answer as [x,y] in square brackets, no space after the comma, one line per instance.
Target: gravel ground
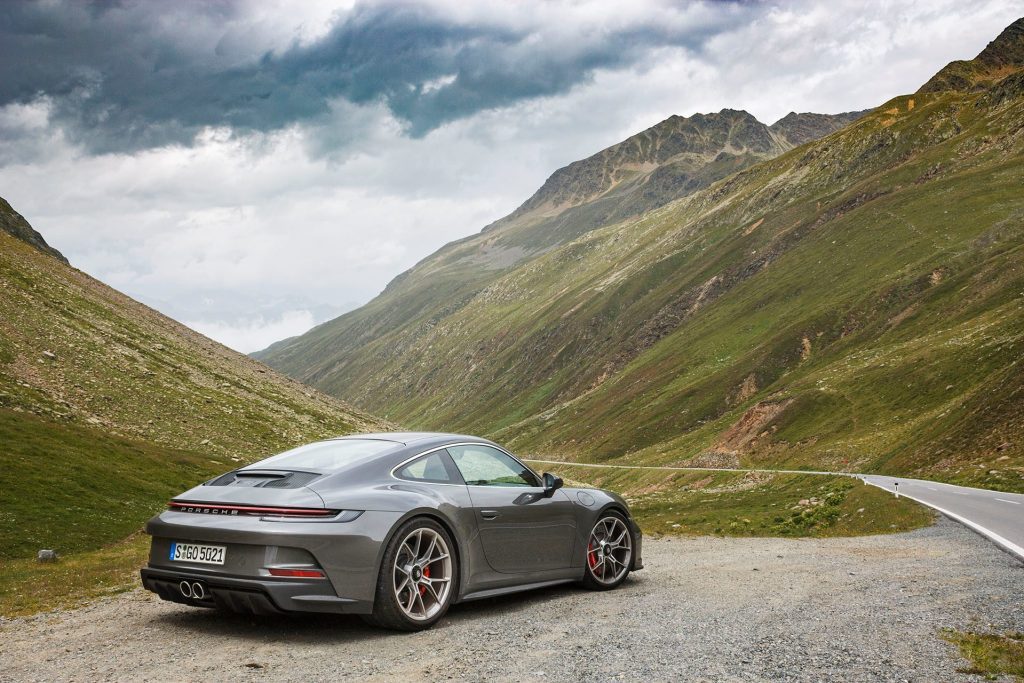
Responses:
[705,609]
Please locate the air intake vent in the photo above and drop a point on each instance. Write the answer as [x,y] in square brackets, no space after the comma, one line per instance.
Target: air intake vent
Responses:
[273,479]
[292,481]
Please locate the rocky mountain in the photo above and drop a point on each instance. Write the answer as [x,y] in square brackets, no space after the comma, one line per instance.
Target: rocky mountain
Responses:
[661,164]
[799,129]
[850,304]
[107,407]
[13,223]
[670,160]
[1000,58]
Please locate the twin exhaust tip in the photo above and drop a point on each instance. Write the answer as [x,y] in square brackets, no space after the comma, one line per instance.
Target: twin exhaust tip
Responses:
[192,590]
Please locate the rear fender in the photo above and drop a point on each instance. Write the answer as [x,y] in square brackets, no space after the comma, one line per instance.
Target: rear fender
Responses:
[453,528]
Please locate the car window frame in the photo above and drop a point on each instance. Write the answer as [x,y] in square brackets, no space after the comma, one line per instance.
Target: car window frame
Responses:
[538,486]
[461,480]
[454,475]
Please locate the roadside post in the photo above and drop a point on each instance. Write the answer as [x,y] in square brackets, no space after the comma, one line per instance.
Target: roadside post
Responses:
[896,487]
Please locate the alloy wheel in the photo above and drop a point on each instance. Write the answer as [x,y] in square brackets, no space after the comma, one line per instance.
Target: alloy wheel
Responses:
[609,551]
[422,574]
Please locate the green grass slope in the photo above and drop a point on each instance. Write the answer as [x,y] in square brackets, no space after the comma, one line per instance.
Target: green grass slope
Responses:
[754,503]
[873,323]
[854,304]
[107,408]
[78,489]
[672,159]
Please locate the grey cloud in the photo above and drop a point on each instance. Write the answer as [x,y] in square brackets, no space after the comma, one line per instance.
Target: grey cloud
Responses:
[128,76]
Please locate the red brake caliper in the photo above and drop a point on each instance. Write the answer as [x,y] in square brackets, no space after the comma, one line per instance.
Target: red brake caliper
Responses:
[591,555]
[426,573]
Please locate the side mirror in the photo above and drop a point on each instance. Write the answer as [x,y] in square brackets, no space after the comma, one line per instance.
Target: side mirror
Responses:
[551,484]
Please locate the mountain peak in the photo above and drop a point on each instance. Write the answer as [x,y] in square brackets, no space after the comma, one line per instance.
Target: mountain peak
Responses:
[697,137]
[15,224]
[1000,58]
[798,129]
[671,159]
[1007,49]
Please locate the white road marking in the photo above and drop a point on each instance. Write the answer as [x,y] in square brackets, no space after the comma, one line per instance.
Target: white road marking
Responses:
[884,485]
[991,535]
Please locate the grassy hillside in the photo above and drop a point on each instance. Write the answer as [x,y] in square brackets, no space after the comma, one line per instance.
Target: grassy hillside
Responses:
[108,408]
[753,503]
[77,489]
[854,304]
[75,351]
[675,158]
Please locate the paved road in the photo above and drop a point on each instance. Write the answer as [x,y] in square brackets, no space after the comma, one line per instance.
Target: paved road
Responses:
[998,516]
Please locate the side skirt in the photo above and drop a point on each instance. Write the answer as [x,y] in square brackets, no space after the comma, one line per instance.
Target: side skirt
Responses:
[495,592]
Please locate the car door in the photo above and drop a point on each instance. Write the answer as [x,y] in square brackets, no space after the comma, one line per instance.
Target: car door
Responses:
[521,530]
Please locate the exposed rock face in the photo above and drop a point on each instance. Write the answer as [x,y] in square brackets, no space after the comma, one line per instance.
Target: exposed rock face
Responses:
[674,158]
[798,129]
[751,424]
[1001,57]
[699,139]
[15,224]
[1007,49]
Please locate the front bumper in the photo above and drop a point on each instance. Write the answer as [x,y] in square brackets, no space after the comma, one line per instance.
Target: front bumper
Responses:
[251,596]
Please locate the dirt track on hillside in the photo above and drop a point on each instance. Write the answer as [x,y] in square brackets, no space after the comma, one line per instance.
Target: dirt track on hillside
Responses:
[705,609]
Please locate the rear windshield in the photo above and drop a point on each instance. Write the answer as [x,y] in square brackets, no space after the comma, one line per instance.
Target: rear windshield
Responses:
[326,455]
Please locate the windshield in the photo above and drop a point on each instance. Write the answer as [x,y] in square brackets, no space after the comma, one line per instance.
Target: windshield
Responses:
[326,455]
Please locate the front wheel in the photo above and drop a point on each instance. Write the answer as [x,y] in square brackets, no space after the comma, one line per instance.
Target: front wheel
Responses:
[609,553]
[417,577]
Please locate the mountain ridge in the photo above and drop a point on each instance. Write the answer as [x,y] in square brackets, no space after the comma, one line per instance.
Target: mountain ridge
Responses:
[670,159]
[1001,57]
[462,268]
[14,224]
[850,304]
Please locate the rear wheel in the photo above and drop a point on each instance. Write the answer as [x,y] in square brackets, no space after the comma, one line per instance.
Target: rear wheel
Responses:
[417,577]
[609,553]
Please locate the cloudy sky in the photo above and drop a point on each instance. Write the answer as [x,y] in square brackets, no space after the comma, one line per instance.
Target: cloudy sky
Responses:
[252,168]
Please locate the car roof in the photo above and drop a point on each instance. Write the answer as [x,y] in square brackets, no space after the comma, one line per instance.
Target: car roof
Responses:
[412,438]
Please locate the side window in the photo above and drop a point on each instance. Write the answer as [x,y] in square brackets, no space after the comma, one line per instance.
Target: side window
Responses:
[487,466]
[429,468]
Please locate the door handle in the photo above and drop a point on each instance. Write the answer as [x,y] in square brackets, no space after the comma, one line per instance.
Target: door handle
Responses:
[488,514]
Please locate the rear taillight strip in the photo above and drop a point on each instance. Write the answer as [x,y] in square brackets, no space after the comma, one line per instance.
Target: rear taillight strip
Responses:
[210,508]
[296,573]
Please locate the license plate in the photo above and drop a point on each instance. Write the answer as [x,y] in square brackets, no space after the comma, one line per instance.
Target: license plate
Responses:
[196,552]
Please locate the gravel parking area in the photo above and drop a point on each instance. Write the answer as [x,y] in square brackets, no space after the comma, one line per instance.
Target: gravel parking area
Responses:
[705,609]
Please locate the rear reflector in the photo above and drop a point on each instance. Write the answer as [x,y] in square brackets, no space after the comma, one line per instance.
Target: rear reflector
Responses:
[297,573]
[212,509]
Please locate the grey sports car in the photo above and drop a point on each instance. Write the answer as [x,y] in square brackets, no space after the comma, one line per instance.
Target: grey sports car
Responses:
[395,527]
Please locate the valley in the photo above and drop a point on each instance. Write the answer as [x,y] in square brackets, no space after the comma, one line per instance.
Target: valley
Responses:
[850,304]
[831,292]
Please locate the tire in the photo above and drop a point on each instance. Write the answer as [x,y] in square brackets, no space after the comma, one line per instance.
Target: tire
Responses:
[418,577]
[609,552]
